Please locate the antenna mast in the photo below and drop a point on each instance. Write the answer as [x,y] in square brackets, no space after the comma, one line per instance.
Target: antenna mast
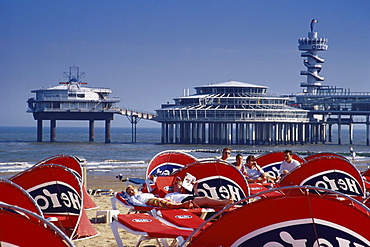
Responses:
[74,74]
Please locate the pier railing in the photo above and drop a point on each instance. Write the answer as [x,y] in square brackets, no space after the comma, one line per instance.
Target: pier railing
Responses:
[137,113]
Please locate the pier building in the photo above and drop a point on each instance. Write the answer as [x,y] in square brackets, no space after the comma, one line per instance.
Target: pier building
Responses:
[232,113]
[72,101]
[329,105]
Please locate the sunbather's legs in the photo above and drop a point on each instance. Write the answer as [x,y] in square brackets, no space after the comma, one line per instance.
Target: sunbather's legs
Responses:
[163,203]
[205,201]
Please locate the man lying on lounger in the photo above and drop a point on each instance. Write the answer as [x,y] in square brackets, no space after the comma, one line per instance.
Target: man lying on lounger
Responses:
[200,201]
[148,199]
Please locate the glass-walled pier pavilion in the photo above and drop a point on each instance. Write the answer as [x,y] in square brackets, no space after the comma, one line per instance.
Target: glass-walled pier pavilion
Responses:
[234,113]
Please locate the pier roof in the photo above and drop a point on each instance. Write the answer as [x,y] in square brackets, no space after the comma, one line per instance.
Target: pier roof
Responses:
[231,84]
[73,87]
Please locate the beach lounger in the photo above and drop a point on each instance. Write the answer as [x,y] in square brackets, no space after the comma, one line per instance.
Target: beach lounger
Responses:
[160,186]
[134,181]
[148,227]
[100,192]
[179,218]
[123,199]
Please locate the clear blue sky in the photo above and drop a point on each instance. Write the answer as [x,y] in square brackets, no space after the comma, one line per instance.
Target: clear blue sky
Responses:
[147,52]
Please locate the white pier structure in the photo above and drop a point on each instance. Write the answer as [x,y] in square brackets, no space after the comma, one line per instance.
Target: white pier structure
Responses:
[72,101]
[134,116]
[232,113]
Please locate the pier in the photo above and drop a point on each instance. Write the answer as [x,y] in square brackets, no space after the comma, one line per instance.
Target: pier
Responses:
[227,113]
[71,100]
[134,117]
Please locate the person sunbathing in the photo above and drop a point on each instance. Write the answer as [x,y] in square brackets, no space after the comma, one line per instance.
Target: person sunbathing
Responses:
[200,201]
[148,199]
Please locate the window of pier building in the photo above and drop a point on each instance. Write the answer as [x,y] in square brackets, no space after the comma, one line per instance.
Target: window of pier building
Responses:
[107,105]
[232,115]
[361,106]
[55,105]
[231,90]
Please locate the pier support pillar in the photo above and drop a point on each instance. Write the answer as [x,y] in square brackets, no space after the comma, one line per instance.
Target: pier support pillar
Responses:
[227,134]
[367,130]
[323,133]
[91,130]
[281,133]
[286,132]
[170,133]
[163,133]
[271,133]
[239,133]
[339,137]
[217,131]
[350,129]
[107,131]
[39,130]
[253,134]
[248,133]
[204,133]
[301,134]
[53,130]
[134,119]
[198,133]
[211,136]
[194,132]
[367,134]
[187,133]
[292,133]
[276,133]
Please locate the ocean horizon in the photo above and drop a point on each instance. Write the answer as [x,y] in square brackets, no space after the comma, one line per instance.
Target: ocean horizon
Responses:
[19,149]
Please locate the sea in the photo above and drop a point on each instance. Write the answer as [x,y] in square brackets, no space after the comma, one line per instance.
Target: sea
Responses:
[19,149]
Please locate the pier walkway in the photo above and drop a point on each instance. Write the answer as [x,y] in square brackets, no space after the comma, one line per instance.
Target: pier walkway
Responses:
[137,113]
[134,116]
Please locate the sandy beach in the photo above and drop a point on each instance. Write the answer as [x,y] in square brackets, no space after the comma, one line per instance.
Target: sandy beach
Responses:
[105,237]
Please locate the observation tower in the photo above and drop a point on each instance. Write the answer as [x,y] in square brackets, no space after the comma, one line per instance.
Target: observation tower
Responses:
[329,105]
[310,46]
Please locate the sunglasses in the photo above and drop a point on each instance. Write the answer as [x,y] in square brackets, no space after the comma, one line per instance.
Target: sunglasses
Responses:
[227,152]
